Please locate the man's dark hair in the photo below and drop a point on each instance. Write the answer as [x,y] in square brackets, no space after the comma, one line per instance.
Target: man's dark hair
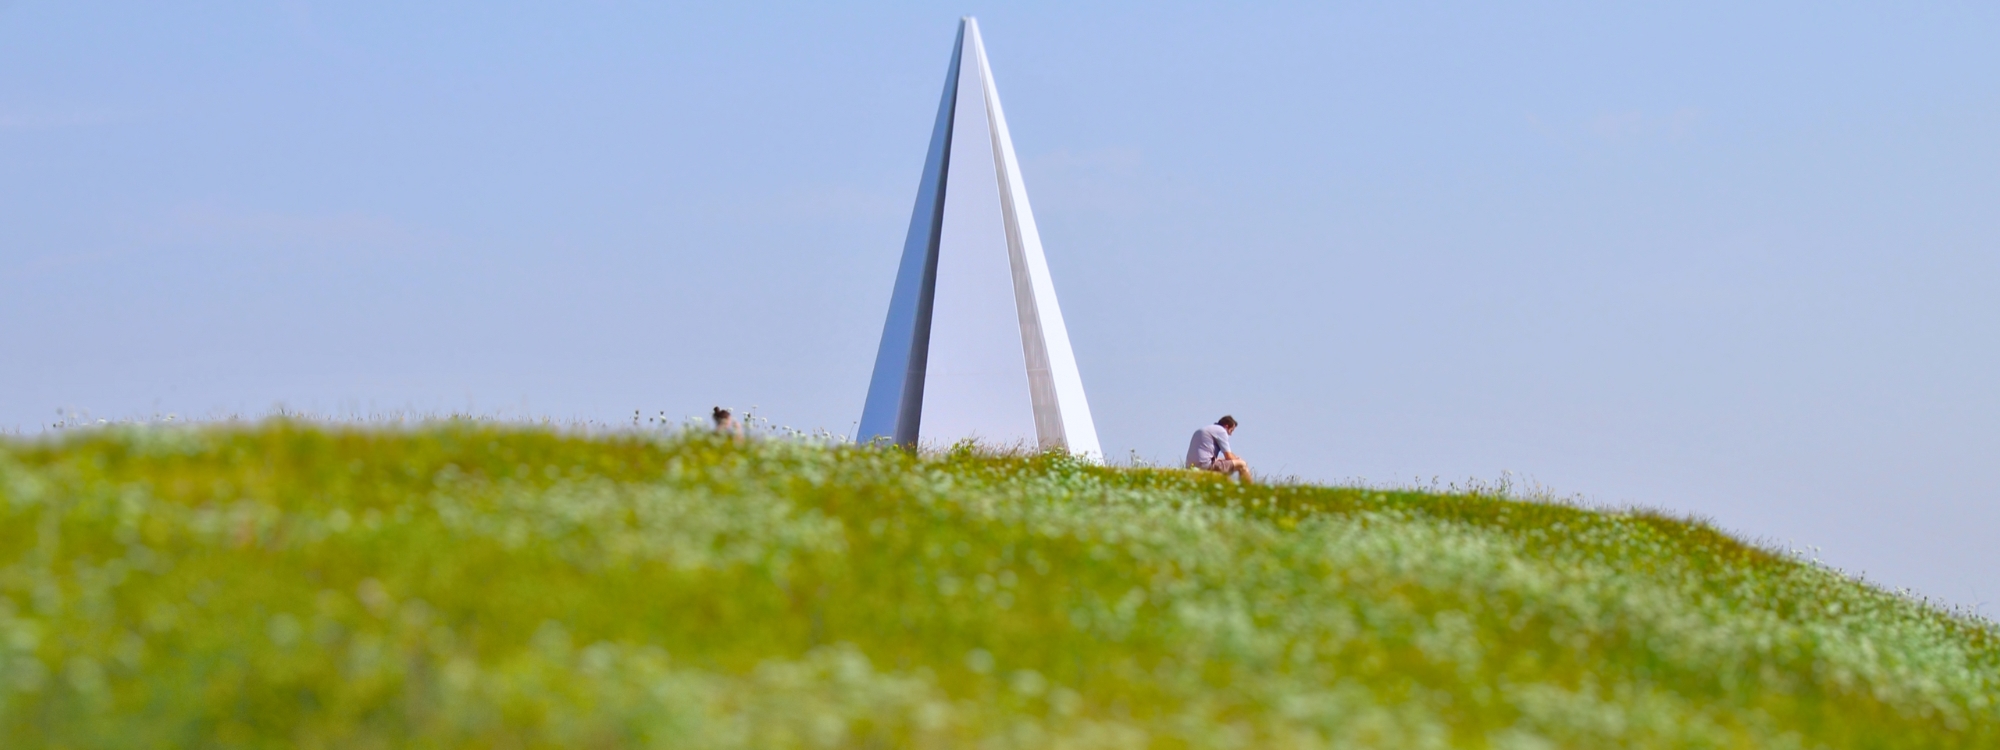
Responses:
[1226,421]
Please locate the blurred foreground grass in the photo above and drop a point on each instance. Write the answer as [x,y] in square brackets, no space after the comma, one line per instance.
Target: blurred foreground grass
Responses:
[466,584]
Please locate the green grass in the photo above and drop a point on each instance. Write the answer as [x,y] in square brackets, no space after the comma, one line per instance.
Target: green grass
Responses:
[467,584]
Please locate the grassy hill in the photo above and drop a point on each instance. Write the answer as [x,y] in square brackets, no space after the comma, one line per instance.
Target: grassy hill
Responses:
[465,584]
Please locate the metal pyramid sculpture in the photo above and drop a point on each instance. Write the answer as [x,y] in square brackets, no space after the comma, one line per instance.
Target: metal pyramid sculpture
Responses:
[974,346]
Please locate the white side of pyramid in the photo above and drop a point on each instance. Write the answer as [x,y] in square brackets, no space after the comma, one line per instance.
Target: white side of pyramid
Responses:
[974,345]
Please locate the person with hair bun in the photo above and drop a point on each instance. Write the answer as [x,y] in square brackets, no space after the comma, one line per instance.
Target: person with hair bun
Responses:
[726,423]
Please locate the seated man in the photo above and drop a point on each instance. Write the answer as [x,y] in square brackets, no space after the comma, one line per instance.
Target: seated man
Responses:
[1209,451]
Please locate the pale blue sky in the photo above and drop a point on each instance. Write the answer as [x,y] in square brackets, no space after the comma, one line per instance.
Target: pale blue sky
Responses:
[1733,261]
